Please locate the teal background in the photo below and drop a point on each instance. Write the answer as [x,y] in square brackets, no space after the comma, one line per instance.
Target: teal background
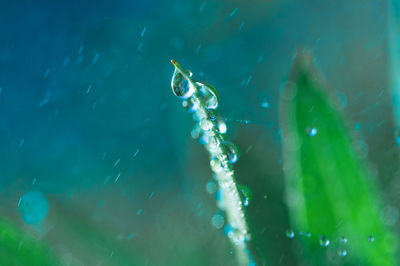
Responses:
[124,180]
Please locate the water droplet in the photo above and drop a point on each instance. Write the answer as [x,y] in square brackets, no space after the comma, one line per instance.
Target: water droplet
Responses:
[209,94]
[181,87]
[189,106]
[290,233]
[216,165]
[247,194]
[211,187]
[206,124]
[213,144]
[324,241]
[343,240]
[221,124]
[212,114]
[265,104]
[308,234]
[312,132]
[218,221]
[232,151]
[342,252]
[33,206]
[371,238]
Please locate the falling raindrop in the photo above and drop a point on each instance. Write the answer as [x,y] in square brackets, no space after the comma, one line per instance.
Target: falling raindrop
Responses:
[290,233]
[209,94]
[181,87]
[218,221]
[324,241]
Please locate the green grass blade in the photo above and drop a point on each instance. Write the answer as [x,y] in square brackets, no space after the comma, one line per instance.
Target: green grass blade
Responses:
[330,190]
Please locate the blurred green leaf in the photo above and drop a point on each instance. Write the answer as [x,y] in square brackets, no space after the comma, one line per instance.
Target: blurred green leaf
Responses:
[17,248]
[331,192]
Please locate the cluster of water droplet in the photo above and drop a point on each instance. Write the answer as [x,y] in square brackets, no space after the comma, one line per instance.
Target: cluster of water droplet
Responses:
[201,99]
[342,249]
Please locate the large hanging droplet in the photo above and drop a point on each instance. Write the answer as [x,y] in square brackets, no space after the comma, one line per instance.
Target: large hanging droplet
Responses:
[232,151]
[209,94]
[181,87]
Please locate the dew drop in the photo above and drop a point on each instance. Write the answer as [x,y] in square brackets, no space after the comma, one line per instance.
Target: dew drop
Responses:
[324,241]
[189,106]
[312,132]
[232,151]
[342,252]
[218,221]
[371,238]
[181,87]
[343,240]
[265,104]
[308,234]
[211,187]
[290,233]
[213,144]
[246,193]
[209,94]
[206,124]
[216,165]
[221,124]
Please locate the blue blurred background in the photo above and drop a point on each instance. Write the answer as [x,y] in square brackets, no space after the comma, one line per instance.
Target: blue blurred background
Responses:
[87,117]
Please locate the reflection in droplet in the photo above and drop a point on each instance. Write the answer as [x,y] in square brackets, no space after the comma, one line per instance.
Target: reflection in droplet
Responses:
[209,95]
[218,221]
[181,87]
[290,233]
[324,241]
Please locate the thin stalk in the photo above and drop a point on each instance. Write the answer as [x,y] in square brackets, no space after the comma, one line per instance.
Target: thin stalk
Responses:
[201,99]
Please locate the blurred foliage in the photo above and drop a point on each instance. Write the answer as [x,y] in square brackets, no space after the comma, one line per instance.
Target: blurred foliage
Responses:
[331,192]
[18,248]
